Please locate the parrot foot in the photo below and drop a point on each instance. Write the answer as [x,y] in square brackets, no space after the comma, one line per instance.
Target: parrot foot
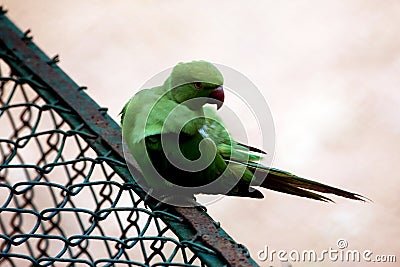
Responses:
[179,200]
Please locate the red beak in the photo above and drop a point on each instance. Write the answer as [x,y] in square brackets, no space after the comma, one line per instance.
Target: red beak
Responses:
[217,97]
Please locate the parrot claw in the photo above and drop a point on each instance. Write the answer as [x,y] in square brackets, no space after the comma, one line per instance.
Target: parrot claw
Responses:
[203,208]
[175,200]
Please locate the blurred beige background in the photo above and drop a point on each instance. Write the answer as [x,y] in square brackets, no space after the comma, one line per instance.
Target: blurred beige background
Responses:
[328,69]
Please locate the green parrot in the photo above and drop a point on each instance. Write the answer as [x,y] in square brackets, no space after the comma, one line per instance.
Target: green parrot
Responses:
[183,148]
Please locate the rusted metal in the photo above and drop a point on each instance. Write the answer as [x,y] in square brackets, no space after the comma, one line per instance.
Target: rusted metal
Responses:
[208,232]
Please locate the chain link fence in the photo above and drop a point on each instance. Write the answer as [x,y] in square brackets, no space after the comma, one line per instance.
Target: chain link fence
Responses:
[66,195]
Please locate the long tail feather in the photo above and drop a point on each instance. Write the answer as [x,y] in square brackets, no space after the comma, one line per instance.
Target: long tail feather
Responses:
[283,187]
[286,182]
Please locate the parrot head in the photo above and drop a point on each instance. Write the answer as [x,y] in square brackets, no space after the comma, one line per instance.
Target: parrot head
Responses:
[197,83]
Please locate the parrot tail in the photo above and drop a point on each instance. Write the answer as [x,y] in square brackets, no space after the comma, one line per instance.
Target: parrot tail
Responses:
[285,182]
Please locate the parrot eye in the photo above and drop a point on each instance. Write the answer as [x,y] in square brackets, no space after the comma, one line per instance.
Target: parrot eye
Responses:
[198,85]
